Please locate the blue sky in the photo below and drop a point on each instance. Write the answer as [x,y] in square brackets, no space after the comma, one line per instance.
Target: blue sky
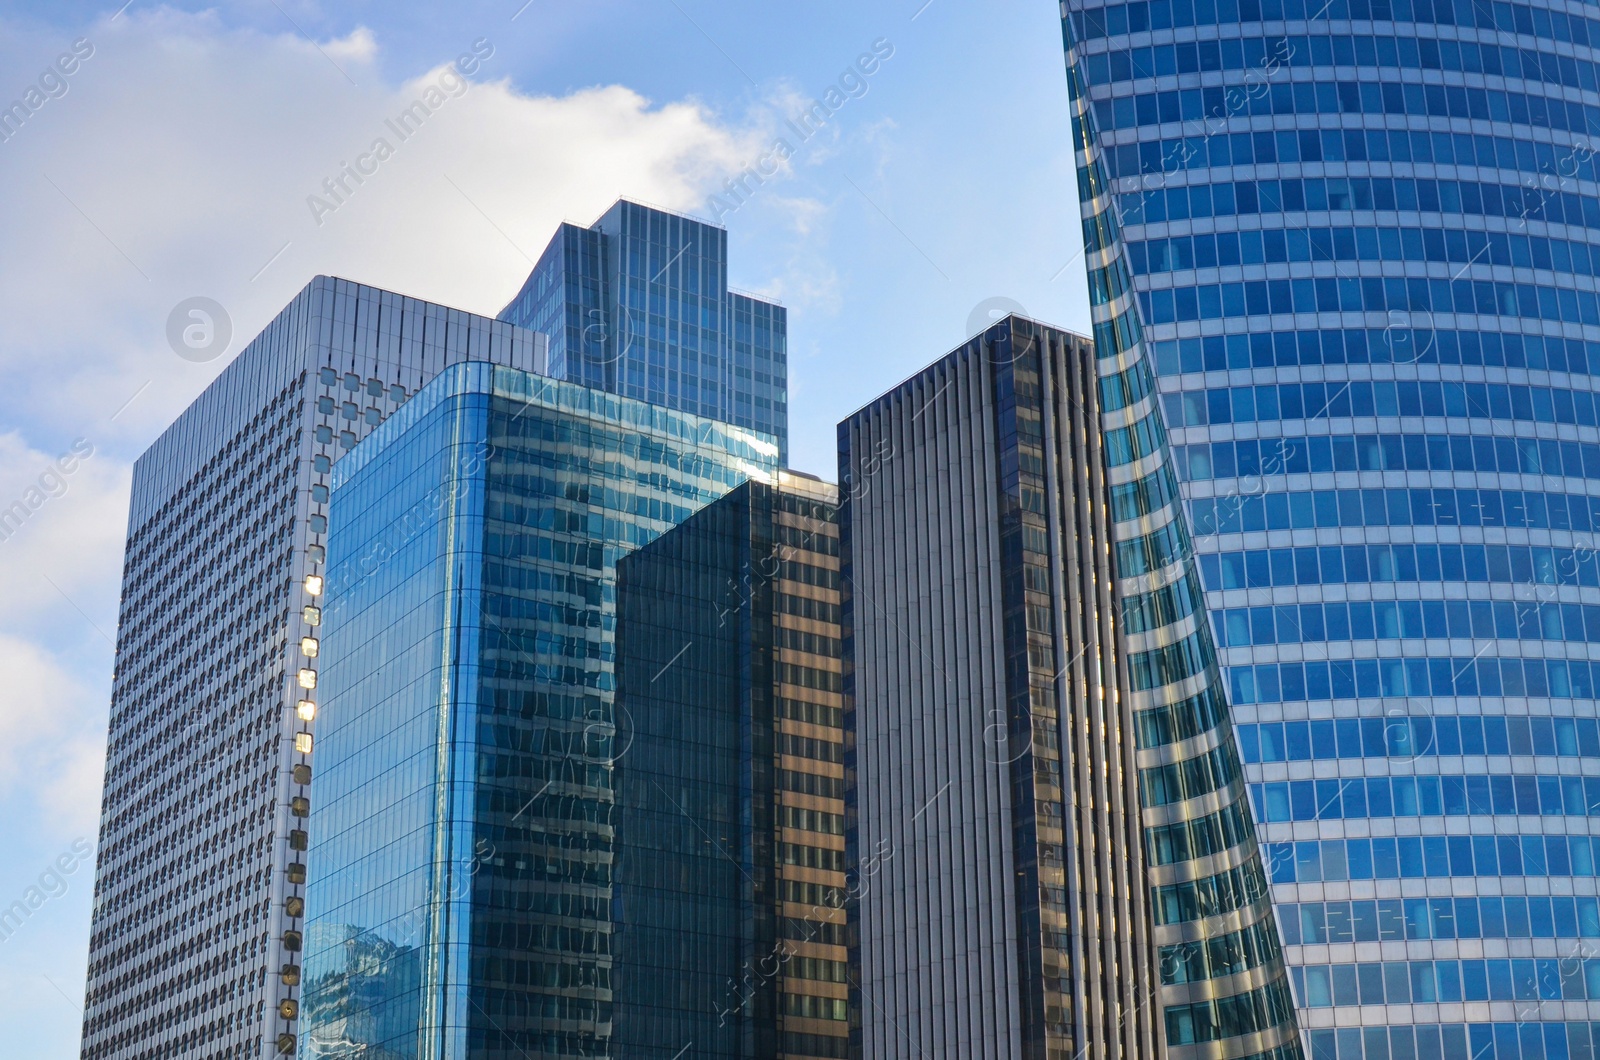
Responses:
[178,162]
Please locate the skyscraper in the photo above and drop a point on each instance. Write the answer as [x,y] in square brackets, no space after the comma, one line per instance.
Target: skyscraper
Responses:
[638,304]
[1359,236]
[1046,791]
[462,885]
[731,881]
[199,891]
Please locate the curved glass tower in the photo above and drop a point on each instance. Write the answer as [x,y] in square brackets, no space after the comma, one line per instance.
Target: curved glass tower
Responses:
[1359,234]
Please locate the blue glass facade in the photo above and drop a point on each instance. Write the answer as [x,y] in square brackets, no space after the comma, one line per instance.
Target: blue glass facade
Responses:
[461,897]
[1360,238]
[638,304]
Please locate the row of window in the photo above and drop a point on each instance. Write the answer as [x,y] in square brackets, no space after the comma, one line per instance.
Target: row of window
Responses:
[1360,397]
[817,1008]
[1354,564]
[1452,1041]
[1182,720]
[1305,509]
[1139,16]
[1434,856]
[1220,955]
[809,857]
[1282,245]
[1199,837]
[1241,627]
[1422,919]
[805,820]
[1397,678]
[1253,457]
[1229,1017]
[1417,737]
[1268,95]
[1246,198]
[1432,982]
[1338,49]
[1150,161]
[1415,342]
[1364,798]
[1370,294]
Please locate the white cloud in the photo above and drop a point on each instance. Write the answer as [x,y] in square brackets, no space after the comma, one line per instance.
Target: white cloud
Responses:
[48,735]
[181,161]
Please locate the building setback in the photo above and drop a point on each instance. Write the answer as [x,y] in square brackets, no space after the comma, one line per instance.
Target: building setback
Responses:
[199,892]
[638,304]
[462,893]
[730,872]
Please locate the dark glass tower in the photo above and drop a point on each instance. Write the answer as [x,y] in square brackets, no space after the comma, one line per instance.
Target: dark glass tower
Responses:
[200,888]
[462,891]
[730,872]
[1023,636]
[638,304]
[1361,236]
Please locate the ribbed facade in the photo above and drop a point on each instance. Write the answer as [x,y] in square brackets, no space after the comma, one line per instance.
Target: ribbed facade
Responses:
[200,888]
[1361,237]
[998,864]
[1225,991]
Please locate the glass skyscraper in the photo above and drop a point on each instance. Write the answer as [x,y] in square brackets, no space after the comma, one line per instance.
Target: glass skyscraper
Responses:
[1054,853]
[200,887]
[1360,237]
[462,885]
[731,887]
[638,304]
